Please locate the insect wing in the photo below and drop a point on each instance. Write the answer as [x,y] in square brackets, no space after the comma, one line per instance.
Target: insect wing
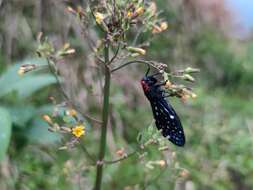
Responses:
[168,122]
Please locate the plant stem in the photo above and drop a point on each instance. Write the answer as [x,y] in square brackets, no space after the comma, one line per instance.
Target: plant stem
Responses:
[150,63]
[104,121]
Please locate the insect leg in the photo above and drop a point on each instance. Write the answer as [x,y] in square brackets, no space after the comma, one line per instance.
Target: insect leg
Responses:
[167,94]
[158,73]
[161,84]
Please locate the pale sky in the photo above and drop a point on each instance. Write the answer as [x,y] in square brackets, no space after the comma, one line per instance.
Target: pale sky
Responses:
[244,8]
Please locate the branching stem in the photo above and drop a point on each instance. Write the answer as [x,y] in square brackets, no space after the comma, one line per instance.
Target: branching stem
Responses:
[150,63]
[105,115]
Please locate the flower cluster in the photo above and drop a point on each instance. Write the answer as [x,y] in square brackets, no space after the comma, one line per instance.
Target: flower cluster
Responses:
[66,121]
[180,90]
[78,130]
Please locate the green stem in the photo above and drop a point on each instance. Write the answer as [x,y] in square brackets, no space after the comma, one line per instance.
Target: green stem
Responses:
[150,63]
[104,121]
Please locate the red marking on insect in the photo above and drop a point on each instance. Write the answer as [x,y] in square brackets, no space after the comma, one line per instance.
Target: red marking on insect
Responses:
[144,86]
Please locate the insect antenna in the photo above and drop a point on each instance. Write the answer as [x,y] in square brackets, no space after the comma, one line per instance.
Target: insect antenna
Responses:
[147,71]
[158,73]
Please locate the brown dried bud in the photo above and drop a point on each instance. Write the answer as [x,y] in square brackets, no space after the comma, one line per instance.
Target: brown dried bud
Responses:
[26,68]
[120,152]
[162,163]
[184,173]
[47,119]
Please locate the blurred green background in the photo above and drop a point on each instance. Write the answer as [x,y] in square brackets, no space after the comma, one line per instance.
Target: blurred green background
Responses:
[218,123]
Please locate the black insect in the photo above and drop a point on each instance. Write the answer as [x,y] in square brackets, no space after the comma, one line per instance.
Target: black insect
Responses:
[165,116]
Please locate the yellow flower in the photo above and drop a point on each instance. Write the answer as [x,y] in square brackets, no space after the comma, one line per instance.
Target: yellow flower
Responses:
[140,11]
[99,17]
[129,14]
[78,131]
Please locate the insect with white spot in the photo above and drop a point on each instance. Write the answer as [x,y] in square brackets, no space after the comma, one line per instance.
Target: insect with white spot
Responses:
[165,116]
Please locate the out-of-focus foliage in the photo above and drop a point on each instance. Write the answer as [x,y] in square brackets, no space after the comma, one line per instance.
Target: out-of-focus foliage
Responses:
[5,122]
[18,109]
[218,123]
[23,86]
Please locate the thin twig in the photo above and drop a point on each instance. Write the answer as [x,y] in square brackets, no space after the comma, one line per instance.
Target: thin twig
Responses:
[150,63]
[54,72]
[121,159]
[66,97]
[91,158]
[94,17]
[137,36]
[155,178]
[115,55]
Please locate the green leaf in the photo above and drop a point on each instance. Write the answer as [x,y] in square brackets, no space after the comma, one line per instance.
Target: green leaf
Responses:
[5,131]
[28,85]
[11,75]
[21,115]
[24,85]
[29,113]
[38,133]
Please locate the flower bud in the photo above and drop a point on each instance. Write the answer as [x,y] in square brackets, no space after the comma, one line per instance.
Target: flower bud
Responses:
[168,84]
[66,129]
[173,154]
[156,29]
[71,10]
[71,112]
[164,26]
[120,152]
[66,46]
[47,119]
[26,68]
[184,173]
[140,11]
[136,50]
[188,77]
[162,163]
[193,95]
[135,54]
[192,70]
